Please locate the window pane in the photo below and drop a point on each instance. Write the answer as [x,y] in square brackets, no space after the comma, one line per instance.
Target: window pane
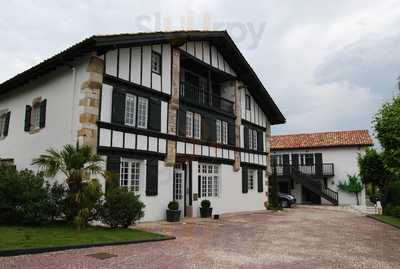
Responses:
[142,112]
[254,139]
[197,126]
[156,62]
[189,124]
[218,128]
[250,135]
[130,110]
[225,132]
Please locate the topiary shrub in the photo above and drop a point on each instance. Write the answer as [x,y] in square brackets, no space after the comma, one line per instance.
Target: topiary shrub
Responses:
[23,197]
[121,208]
[205,204]
[173,205]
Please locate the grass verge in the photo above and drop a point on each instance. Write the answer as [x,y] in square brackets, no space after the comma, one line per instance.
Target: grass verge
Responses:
[59,235]
[387,219]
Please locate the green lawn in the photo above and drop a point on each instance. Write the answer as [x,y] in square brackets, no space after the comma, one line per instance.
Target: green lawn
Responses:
[387,219]
[20,237]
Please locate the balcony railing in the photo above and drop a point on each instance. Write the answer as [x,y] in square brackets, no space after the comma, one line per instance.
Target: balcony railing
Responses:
[322,170]
[201,96]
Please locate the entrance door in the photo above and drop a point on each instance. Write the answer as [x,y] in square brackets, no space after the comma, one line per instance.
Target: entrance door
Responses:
[179,187]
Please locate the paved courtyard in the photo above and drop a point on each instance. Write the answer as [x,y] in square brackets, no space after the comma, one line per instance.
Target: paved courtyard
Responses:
[304,237]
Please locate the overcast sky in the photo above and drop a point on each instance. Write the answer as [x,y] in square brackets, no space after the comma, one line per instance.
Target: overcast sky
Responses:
[328,65]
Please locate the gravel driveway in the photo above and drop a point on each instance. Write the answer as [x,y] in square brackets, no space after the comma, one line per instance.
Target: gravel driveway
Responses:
[304,237]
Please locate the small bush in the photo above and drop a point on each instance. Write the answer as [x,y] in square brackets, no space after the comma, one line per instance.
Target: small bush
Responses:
[205,204]
[121,208]
[173,205]
[57,194]
[23,197]
[392,210]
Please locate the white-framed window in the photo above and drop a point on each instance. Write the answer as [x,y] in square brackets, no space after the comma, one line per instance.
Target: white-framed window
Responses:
[254,139]
[189,124]
[2,124]
[250,136]
[209,179]
[218,127]
[193,125]
[130,110]
[278,159]
[35,116]
[196,126]
[156,62]
[247,102]
[224,132]
[143,104]
[130,174]
[251,179]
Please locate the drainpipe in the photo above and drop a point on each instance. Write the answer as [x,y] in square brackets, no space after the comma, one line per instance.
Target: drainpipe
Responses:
[73,104]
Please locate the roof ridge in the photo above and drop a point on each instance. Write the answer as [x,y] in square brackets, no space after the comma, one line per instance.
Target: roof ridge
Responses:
[323,132]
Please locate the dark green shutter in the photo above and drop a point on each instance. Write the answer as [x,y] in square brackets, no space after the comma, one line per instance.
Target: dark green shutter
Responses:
[204,129]
[154,117]
[318,164]
[260,141]
[118,107]
[152,177]
[245,180]
[212,130]
[246,138]
[42,121]
[113,166]
[28,111]
[231,134]
[199,185]
[6,124]
[260,180]
[182,123]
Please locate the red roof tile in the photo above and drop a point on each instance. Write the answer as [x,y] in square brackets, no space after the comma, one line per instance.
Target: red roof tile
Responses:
[321,140]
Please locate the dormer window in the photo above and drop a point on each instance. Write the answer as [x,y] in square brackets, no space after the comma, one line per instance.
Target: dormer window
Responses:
[156,62]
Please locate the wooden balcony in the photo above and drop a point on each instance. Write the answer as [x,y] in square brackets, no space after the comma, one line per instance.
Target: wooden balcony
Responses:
[316,171]
[199,96]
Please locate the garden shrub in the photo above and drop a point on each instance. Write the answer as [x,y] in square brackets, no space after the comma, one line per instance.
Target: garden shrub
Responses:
[394,193]
[57,194]
[23,197]
[205,204]
[392,210]
[173,205]
[121,208]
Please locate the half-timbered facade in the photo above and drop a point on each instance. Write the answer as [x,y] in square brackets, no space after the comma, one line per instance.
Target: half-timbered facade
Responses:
[177,115]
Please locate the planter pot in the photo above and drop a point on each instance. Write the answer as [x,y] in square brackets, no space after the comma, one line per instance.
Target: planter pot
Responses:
[173,215]
[205,212]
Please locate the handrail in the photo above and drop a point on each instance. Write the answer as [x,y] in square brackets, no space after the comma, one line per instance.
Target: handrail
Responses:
[324,169]
[201,96]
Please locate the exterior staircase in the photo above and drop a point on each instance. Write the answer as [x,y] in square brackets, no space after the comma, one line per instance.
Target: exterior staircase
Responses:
[315,186]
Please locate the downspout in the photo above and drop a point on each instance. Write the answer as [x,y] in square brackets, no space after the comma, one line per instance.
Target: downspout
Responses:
[73,105]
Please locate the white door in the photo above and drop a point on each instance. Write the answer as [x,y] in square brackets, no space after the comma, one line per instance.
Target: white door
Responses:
[179,185]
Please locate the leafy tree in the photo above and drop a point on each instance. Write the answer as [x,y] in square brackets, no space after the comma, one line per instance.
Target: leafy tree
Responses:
[353,184]
[77,164]
[387,128]
[373,169]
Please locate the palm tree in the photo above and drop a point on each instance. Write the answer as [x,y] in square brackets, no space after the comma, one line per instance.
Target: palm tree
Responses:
[77,164]
[352,185]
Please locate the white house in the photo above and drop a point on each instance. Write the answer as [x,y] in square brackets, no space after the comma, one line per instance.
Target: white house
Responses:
[179,115]
[310,166]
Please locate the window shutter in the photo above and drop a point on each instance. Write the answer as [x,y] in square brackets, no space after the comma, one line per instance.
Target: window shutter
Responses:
[231,134]
[260,180]
[154,118]
[318,164]
[6,124]
[182,122]
[42,122]
[212,129]
[246,138]
[199,185]
[204,129]
[152,177]
[118,107]
[113,165]
[245,185]
[260,141]
[28,111]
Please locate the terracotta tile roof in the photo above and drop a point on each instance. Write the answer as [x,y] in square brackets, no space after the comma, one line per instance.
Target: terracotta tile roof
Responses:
[321,140]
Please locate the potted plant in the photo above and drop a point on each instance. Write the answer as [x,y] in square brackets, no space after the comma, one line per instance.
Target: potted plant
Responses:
[205,209]
[173,212]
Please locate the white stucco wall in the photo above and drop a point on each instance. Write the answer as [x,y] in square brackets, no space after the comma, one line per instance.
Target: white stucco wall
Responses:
[61,117]
[345,163]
